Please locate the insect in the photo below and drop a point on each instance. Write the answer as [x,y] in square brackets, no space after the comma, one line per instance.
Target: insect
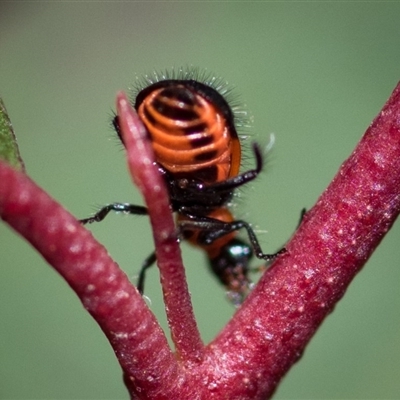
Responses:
[198,152]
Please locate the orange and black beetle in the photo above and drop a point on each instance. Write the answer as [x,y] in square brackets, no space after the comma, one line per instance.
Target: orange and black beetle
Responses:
[197,148]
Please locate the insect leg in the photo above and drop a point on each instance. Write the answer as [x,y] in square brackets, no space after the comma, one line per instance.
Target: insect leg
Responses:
[214,229]
[129,209]
[117,207]
[241,179]
[148,262]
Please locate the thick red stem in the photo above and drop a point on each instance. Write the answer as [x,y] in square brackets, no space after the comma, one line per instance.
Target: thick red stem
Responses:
[337,236]
[105,291]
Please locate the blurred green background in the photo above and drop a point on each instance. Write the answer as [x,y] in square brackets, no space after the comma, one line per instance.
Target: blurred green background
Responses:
[315,74]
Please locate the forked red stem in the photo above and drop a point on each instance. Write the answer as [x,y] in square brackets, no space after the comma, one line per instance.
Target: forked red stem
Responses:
[271,329]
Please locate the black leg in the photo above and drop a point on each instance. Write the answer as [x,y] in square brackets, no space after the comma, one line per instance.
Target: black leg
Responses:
[148,262]
[241,179]
[117,207]
[128,209]
[302,214]
[212,229]
[229,184]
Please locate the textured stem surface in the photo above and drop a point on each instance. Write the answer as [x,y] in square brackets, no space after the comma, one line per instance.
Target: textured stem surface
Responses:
[105,291]
[337,236]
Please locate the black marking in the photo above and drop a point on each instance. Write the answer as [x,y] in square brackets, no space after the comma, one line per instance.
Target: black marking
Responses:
[203,90]
[187,234]
[201,141]
[149,117]
[180,94]
[208,174]
[198,128]
[174,112]
[206,155]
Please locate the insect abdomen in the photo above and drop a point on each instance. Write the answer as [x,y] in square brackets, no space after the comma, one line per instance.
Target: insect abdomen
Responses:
[190,135]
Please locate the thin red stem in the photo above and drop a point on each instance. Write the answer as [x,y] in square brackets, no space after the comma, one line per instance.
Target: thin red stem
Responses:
[145,174]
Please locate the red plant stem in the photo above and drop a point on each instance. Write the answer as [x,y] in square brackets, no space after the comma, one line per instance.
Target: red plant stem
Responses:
[145,174]
[105,291]
[270,331]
